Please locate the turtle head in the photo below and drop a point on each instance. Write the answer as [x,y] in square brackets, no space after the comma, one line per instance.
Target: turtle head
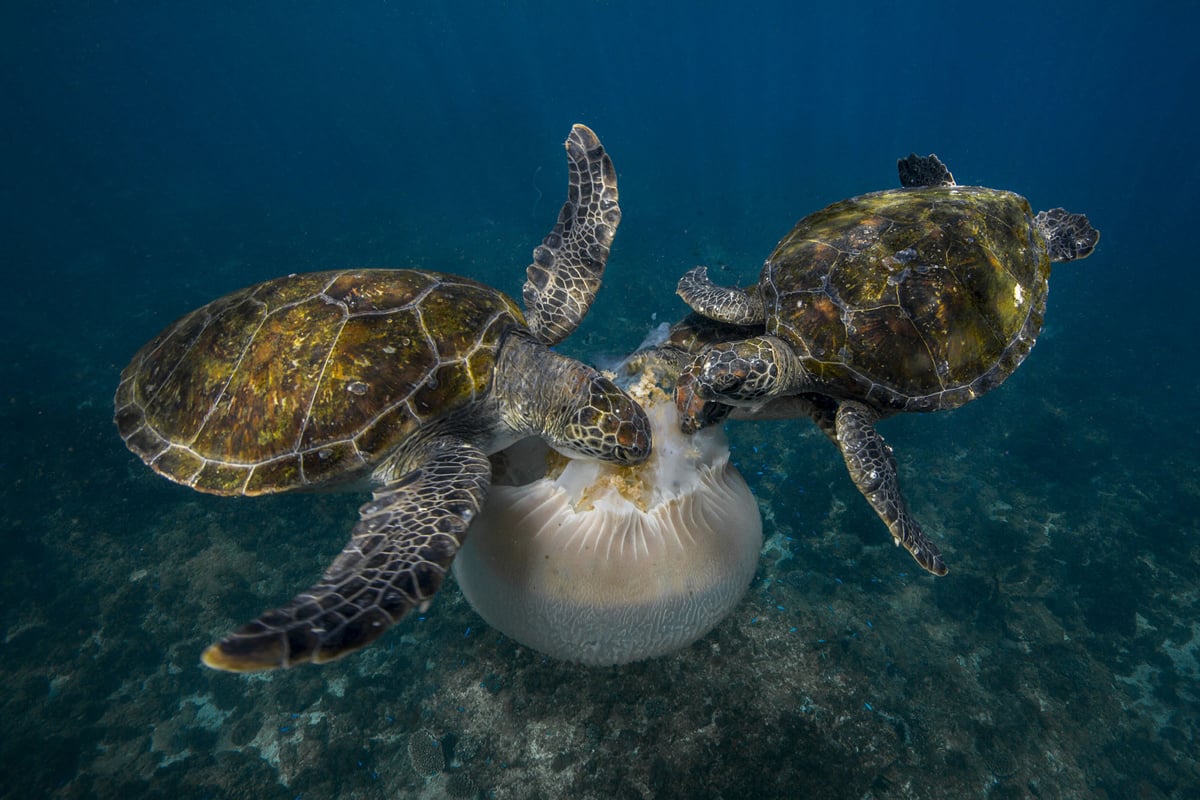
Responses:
[599,420]
[573,407]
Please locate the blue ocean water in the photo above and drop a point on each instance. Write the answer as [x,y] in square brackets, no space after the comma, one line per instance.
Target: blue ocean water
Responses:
[158,156]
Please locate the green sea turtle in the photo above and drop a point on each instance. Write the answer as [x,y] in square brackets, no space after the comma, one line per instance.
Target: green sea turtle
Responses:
[403,381]
[912,299]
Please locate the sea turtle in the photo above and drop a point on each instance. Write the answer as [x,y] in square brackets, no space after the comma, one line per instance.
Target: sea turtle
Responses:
[912,299]
[403,381]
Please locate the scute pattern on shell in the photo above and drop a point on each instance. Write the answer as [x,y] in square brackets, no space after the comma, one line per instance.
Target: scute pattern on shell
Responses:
[309,379]
[911,299]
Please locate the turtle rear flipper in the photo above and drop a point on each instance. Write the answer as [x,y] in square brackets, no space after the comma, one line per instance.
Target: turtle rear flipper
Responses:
[873,470]
[916,171]
[564,277]
[399,552]
[1068,236]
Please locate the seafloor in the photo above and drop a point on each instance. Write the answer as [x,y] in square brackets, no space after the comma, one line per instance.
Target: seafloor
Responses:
[1051,662]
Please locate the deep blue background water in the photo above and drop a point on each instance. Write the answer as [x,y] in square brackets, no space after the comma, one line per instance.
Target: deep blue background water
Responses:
[158,156]
[155,156]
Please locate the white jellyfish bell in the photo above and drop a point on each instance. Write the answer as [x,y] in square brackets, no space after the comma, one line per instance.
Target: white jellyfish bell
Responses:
[603,564]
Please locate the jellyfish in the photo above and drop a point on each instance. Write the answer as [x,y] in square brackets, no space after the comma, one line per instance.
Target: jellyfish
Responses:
[604,564]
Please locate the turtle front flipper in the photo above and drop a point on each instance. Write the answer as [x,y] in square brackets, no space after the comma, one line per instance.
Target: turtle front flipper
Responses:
[727,304]
[399,553]
[564,277]
[873,470]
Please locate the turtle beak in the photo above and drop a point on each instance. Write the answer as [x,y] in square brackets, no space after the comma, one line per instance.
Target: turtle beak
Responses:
[633,436]
[625,425]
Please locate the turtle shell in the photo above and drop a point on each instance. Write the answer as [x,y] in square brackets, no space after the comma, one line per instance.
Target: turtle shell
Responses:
[310,379]
[911,299]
